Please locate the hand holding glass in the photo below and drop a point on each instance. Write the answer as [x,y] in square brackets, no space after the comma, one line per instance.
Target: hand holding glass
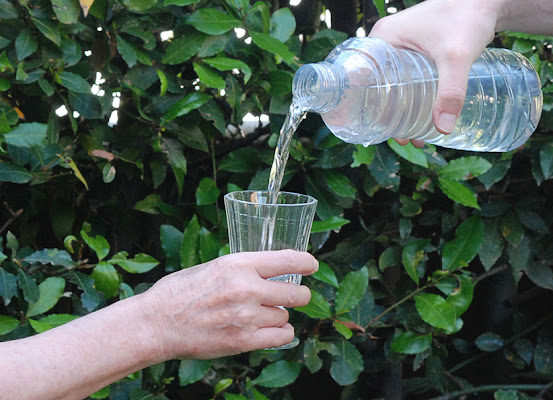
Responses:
[255,225]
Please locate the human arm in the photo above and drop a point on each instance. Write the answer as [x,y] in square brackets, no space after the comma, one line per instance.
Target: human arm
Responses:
[454,34]
[216,309]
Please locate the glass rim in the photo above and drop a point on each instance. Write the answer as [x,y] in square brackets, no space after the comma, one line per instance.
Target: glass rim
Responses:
[310,199]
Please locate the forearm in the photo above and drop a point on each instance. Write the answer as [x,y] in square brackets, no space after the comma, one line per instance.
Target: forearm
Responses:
[530,16]
[78,358]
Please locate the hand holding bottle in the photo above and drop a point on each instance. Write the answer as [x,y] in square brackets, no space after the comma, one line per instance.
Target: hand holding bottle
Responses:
[454,34]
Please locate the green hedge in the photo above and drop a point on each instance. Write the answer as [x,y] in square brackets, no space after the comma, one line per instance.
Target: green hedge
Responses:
[435,264]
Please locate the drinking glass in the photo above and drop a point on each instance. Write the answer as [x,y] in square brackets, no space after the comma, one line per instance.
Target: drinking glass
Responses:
[256,225]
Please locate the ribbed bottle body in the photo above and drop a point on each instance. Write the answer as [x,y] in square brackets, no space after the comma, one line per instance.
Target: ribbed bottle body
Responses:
[384,92]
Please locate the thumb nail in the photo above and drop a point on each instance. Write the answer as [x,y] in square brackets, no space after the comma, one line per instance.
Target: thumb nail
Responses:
[446,122]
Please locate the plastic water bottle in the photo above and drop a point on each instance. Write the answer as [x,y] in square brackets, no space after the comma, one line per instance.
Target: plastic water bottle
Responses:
[368,91]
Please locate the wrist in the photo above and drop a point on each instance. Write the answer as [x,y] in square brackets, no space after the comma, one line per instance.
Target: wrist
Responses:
[145,328]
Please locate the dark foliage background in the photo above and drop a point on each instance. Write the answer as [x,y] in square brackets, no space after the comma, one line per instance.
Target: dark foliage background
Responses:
[435,277]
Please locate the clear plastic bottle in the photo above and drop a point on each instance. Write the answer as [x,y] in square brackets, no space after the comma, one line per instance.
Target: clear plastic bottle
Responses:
[368,91]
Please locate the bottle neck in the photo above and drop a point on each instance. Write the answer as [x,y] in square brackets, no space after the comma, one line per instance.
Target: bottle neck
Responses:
[316,87]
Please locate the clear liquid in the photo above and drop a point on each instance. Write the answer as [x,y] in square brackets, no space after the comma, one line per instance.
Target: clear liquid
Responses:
[282,151]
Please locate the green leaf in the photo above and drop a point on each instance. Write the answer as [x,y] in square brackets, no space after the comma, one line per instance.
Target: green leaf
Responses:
[140,5]
[90,297]
[74,82]
[311,358]
[317,308]
[51,321]
[14,173]
[385,167]
[458,193]
[171,242]
[191,102]
[51,256]
[8,286]
[434,310]
[381,7]
[191,371]
[464,168]
[140,264]
[461,297]
[409,152]
[343,330]
[227,64]
[98,243]
[25,44]
[29,287]
[127,51]
[363,155]
[180,3]
[106,279]
[48,29]
[208,76]
[272,45]
[207,192]
[410,343]
[51,290]
[492,244]
[209,245]
[281,82]
[390,257]
[7,10]
[511,228]
[278,374]
[411,256]
[543,354]
[27,135]
[242,160]
[330,224]
[190,243]
[326,274]
[212,21]
[183,48]
[164,83]
[489,341]
[347,363]
[7,324]
[339,183]
[5,65]
[67,11]
[222,385]
[283,24]
[351,290]
[461,250]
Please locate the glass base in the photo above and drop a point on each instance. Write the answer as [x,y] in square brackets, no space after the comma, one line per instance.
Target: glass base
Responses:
[290,345]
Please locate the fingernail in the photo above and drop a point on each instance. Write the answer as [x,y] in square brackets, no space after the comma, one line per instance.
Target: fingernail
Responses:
[446,122]
[316,264]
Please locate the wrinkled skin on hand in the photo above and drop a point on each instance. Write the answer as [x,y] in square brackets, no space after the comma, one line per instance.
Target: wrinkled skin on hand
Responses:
[226,306]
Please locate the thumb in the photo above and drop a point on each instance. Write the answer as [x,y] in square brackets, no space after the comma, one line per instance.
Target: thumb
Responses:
[452,87]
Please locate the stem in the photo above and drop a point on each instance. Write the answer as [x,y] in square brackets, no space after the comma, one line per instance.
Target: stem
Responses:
[487,388]
[512,339]
[13,216]
[408,297]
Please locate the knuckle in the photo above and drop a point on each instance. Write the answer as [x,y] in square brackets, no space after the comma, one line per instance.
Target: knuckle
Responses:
[381,26]
[452,97]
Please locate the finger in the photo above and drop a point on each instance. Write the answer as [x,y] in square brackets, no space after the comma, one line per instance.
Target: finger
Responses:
[402,142]
[453,73]
[273,263]
[265,338]
[285,294]
[418,143]
[272,317]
